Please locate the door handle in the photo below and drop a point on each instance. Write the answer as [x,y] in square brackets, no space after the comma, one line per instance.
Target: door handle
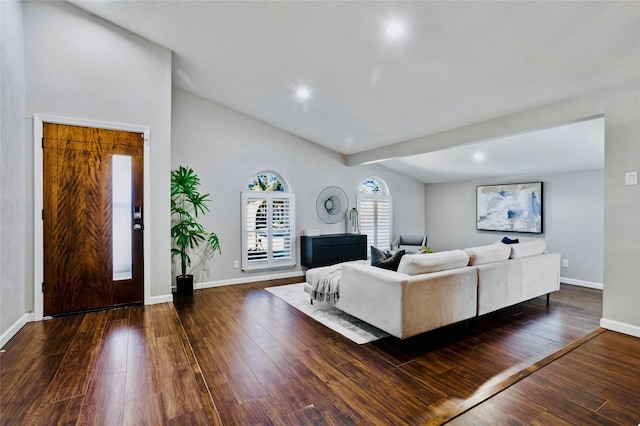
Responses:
[138,227]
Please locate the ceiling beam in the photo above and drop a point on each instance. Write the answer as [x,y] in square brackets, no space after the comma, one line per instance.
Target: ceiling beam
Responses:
[565,112]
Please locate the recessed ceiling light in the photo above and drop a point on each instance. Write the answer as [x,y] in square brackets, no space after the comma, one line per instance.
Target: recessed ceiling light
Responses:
[478,156]
[395,29]
[303,93]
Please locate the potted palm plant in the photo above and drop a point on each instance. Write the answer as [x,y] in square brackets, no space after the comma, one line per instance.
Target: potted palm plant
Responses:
[187,234]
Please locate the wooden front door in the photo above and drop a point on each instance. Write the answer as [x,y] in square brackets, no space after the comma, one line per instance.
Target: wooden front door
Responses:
[93,245]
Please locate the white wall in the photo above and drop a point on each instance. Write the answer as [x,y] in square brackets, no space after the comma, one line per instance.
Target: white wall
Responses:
[574,214]
[573,220]
[13,160]
[82,67]
[621,300]
[227,149]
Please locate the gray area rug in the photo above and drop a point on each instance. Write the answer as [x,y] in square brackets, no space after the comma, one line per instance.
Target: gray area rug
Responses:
[328,315]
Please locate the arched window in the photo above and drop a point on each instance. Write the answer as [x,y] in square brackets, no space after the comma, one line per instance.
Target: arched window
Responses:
[373,185]
[375,210]
[267,181]
[268,221]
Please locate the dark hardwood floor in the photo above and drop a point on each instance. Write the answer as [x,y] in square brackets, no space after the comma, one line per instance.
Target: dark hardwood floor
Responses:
[598,383]
[124,366]
[239,355]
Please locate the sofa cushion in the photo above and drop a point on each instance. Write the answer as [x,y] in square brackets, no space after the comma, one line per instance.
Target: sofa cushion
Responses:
[528,247]
[414,264]
[488,254]
[386,260]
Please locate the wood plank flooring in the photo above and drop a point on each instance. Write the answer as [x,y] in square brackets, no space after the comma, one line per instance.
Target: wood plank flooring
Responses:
[598,383]
[263,362]
[267,363]
[118,367]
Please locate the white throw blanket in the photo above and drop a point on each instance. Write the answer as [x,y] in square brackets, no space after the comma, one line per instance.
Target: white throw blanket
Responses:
[325,284]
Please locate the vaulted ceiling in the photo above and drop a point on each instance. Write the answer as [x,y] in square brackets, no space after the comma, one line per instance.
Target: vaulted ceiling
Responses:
[443,65]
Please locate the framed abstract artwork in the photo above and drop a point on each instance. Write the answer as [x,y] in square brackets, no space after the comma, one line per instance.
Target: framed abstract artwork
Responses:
[514,207]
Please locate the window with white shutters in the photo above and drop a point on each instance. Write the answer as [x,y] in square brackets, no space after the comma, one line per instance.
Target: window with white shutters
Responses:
[375,216]
[268,221]
[374,210]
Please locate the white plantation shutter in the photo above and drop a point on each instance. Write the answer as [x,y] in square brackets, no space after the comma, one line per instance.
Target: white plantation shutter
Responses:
[255,224]
[282,237]
[375,215]
[383,221]
[269,232]
[367,217]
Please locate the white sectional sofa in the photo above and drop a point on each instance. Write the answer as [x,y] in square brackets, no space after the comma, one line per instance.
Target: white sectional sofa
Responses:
[429,291]
[528,273]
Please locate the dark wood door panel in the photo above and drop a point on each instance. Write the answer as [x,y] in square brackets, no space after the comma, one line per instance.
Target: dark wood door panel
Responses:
[78,249]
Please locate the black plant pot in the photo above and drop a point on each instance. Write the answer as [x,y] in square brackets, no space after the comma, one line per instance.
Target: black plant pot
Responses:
[184,285]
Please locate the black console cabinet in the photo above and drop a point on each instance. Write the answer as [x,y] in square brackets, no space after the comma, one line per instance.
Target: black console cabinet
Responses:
[323,250]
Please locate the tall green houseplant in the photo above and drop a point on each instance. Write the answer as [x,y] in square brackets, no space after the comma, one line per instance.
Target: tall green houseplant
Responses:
[186,203]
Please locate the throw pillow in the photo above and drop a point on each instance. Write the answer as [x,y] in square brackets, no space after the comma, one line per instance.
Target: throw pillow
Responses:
[386,260]
[508,240]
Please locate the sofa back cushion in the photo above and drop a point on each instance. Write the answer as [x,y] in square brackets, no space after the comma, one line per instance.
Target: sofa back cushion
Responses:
[488,254]
[423,263]
[527,247]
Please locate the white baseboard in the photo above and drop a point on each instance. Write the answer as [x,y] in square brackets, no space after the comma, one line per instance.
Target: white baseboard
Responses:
[247,279]
[582,283]
[15,327]
[165,298]
[620,327]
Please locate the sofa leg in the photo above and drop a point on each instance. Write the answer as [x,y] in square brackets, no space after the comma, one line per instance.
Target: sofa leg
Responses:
[548,294]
